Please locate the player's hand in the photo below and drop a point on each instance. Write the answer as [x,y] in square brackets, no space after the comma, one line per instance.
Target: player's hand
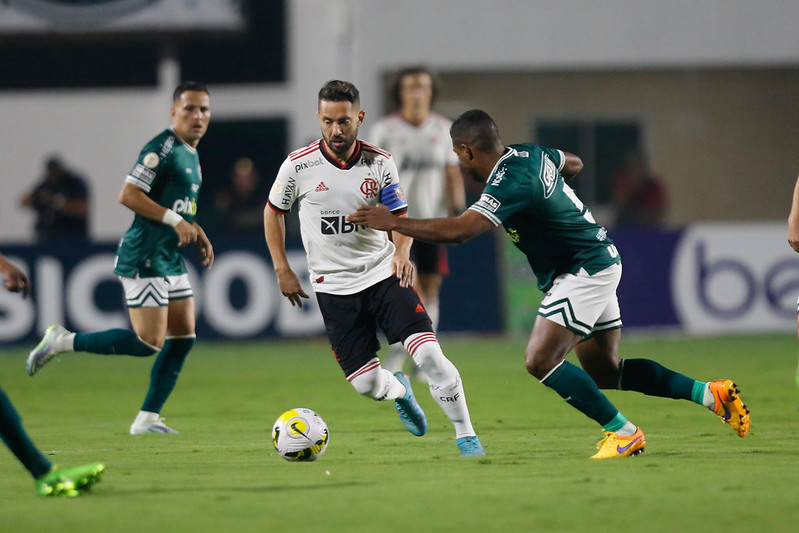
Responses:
[204,248]
[377,217]
[17,281]
[290,287]
[403,268]
[187,233]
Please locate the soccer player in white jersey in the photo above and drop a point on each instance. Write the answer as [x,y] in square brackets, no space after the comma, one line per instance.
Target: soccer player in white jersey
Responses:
[418,140]
[361,278]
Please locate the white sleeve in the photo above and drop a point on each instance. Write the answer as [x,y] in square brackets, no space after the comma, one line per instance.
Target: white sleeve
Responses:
[390,173]
[284,190]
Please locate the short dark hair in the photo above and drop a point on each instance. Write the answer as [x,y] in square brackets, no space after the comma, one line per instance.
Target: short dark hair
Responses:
[396,84]
[195,86]
[476,128]
[339,91]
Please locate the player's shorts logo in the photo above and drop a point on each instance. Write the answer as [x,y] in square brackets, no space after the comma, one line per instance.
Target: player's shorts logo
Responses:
[369,187]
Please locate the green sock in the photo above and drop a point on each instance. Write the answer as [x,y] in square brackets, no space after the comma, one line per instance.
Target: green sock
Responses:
[18,441]
[654,379]
[165,372]
[576,387]
[112,342]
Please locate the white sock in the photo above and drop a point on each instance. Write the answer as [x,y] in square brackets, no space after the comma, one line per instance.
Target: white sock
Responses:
[708,400]
[146,418]
[627,429]
[65,343]
[373,381]
[445,382]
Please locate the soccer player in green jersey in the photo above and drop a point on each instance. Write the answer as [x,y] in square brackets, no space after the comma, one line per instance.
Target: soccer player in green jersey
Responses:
[162,190]
[577,267]
[49,479]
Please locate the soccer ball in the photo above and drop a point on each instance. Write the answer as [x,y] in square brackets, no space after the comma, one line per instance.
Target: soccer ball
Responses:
[300,435]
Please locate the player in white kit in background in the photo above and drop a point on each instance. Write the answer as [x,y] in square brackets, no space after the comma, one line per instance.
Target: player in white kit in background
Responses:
[361,278]
[418,140]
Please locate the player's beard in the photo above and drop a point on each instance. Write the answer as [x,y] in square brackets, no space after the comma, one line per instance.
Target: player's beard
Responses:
[342,149]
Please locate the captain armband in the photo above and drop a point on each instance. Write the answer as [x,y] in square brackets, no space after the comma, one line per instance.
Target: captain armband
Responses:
[393,197]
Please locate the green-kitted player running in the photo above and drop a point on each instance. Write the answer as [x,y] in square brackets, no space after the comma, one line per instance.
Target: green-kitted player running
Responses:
[578,268]
[162,190]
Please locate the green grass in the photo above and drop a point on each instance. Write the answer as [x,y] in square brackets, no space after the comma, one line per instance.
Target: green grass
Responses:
[221,473]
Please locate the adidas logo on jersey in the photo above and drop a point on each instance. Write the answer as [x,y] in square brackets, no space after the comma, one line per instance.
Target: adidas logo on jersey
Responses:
[321,187]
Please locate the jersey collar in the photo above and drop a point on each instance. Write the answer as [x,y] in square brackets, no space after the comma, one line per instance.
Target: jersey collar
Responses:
[187,145]
[335,162]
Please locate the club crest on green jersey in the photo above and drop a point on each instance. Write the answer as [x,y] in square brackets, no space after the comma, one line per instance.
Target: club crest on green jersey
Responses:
[548,176]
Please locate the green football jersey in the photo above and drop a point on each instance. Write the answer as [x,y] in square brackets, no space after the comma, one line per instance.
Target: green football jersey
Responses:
[543,217]
[168,170]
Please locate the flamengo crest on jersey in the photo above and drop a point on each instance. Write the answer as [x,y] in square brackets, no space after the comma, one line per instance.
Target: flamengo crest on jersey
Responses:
[343,258]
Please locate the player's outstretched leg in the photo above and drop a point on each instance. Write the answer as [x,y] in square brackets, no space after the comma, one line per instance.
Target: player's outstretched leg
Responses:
[69,481]
[58,340]
[721,396]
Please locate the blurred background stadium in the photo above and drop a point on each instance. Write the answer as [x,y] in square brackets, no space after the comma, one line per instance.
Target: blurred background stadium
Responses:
[705,90]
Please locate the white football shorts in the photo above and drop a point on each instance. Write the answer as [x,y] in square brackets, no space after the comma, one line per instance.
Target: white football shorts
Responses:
[583,303]
[155,292]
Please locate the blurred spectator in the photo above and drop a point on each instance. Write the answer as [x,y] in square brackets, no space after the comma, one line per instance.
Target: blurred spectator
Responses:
[241,209]
[61,202]
[418,139]
[638,195]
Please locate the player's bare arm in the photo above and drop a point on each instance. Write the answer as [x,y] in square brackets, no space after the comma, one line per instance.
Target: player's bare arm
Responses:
[137,201]
[793,219]
[401,265]
[16,280]
[458,229]
[456,192]
[275,233]
[204,247]
[571,167]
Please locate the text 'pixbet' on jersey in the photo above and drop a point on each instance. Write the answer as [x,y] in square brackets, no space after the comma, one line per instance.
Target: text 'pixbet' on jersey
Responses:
[339,225]
[185,205]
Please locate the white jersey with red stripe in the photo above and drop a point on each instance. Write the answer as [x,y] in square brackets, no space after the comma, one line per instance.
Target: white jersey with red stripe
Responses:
[343,258]
[422,153]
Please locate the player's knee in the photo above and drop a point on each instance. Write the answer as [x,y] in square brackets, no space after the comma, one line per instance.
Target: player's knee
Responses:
[538,365]
[152,342]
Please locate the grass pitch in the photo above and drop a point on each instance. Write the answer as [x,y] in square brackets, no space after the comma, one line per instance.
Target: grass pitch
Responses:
[221,473]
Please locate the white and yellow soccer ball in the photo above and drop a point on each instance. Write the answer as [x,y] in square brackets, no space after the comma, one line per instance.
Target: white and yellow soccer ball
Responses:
[300,435]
